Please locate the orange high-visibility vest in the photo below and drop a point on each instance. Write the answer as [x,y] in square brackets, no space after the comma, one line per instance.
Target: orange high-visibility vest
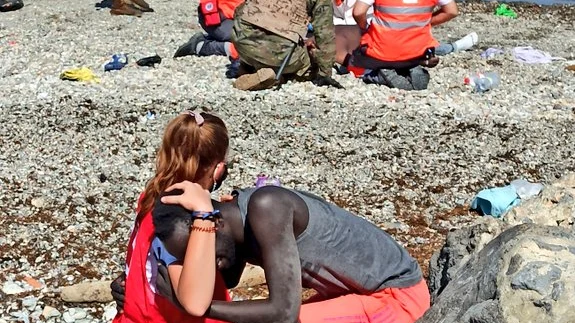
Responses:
[228,7]
[400,30]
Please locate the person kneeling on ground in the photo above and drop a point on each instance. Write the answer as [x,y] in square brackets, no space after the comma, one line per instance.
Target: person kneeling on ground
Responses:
[348,34]
[360,273]
[267,32]
[194,147]
[216,18]
[397,42]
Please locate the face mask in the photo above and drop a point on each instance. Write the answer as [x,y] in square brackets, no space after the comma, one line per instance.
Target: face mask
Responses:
[222,178]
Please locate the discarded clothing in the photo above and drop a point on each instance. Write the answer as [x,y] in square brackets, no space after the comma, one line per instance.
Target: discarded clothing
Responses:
[529,55]
[150,61]
[495,201]
[525,189]
[505,11]
[491,52]
[83,74]
[117,63]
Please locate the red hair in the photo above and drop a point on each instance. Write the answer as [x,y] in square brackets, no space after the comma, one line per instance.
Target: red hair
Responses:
[187,152]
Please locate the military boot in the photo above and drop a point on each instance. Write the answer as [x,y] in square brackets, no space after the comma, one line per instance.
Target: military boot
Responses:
[262,79]
[120,7]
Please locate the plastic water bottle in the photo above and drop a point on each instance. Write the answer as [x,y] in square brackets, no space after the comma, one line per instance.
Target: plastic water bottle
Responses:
[264,180]
[482,82]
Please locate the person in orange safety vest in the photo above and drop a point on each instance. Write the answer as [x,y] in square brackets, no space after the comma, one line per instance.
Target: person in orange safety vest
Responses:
[398,41]
[217,19]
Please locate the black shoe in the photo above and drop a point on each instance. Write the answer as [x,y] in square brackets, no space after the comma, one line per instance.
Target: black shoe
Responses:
[189,48]
[233,69]
[340,69]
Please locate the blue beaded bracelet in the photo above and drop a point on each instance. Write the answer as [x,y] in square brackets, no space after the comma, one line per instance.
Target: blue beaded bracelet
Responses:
[203,215]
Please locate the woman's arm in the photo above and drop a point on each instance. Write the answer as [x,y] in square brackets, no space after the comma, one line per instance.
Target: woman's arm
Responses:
[195,288]
[195,279]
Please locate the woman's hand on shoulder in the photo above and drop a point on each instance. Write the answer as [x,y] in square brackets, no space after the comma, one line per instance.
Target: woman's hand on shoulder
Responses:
[194,197]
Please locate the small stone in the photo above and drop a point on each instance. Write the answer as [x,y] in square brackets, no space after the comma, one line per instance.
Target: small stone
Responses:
[21,316]
[49,312]
[36,314]
[110,312]
[102,178]
[68,318]
[258,297]
[29,302]
[420,240]
[38,202]
[11,288]
[78,313]
[33,282]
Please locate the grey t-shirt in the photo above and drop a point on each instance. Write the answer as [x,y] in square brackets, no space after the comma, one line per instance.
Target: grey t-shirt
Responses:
[341,253]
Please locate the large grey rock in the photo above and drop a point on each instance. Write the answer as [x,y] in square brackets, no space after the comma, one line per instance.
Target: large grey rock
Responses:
[555,206]
[526,274]
[459,246]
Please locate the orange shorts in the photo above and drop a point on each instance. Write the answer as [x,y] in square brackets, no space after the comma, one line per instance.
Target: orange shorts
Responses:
[391,305]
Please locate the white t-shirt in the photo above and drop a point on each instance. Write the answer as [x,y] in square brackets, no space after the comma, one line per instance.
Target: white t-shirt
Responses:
[343,14]
[371,2]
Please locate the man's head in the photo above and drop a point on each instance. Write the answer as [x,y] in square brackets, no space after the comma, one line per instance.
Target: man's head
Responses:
[172,226]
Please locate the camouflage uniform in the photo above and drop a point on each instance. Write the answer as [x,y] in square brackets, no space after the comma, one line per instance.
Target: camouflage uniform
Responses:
[261,48]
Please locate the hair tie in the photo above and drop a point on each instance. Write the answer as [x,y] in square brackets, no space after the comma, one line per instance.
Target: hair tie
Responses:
[197,116]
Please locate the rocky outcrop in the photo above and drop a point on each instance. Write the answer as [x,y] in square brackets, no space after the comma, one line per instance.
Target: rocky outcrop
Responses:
[526,274]
[518,269]
[554,206]
[459,246]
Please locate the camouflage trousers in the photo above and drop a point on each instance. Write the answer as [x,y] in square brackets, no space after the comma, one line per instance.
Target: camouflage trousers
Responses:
[259,49]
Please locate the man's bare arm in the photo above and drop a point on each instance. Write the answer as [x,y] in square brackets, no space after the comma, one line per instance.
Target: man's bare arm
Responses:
[445,13]
[360,14]
[271,212]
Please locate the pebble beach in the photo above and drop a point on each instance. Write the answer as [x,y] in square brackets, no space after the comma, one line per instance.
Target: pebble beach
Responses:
[74,156]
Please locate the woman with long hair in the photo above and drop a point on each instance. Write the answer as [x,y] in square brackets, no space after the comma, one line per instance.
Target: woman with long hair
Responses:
[194,148]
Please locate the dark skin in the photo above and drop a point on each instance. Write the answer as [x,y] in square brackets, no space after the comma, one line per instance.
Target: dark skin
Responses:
[276,217]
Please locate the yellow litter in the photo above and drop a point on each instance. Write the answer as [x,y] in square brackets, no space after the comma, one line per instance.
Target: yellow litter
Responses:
[83,74]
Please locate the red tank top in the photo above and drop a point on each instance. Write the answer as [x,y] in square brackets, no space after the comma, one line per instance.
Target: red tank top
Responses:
[141,303]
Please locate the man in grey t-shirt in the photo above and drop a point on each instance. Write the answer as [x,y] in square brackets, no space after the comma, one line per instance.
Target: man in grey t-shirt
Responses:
[361,274]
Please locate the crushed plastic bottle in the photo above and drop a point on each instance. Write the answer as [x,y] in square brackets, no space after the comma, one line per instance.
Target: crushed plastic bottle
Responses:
[482,82]
[117,63]
[151,115]
[264,180]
